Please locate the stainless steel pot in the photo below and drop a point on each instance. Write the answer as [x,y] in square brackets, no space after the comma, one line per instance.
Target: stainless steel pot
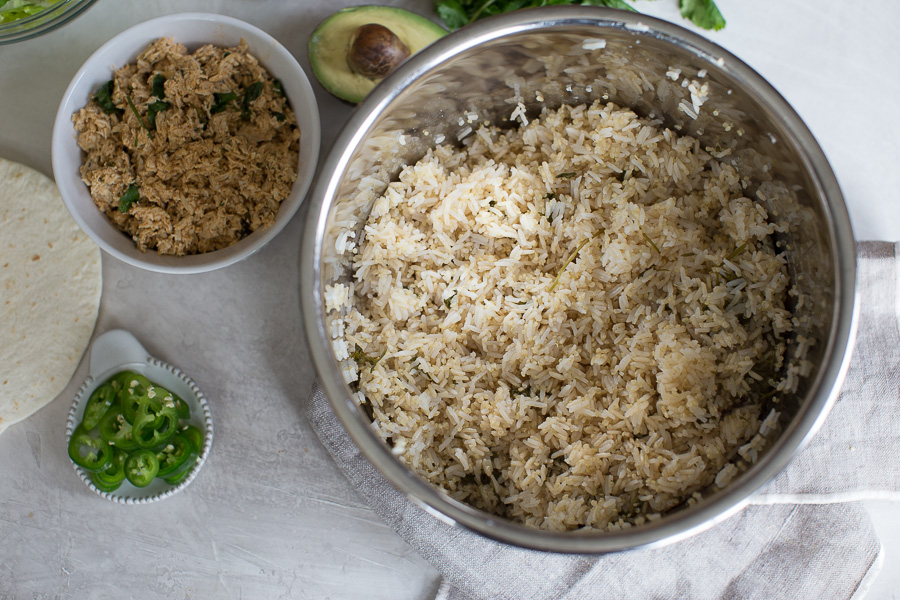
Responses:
[555,55]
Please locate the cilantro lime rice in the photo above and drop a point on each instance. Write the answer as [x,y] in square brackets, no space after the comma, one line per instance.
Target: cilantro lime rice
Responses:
[580,323]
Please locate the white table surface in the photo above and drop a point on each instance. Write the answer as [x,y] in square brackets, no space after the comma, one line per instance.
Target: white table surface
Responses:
[270,516]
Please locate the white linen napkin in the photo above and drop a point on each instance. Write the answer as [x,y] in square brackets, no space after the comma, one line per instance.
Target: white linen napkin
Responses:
[811,541]
[856,455]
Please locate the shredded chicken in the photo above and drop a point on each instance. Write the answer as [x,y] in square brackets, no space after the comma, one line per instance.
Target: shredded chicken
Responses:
[211,160]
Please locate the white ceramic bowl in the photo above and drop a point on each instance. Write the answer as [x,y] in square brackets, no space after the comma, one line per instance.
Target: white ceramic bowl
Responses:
[192,30]
[117,351]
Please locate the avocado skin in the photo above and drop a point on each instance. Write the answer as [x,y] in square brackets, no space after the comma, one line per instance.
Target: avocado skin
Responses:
[330,42]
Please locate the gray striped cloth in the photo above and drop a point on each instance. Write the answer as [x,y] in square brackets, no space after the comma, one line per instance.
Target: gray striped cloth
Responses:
[804,535]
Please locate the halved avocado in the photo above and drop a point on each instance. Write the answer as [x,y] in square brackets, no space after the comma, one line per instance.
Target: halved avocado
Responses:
[330,45]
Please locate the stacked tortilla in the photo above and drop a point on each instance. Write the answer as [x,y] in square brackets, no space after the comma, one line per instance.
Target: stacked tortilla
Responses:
[50,283]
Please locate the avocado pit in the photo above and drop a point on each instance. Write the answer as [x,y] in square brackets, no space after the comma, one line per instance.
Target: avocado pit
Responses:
[375,51]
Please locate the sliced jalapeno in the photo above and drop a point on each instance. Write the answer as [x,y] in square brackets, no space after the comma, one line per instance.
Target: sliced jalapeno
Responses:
[184,411]
[104,487]
[174,453]
[141,467]
[182,472]
[88,450]
[114,471]
[133,386]
[195,435]
[97,405]
[116,431]
[112,475]
[155,420]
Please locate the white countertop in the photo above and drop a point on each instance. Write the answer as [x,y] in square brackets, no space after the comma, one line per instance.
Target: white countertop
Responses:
[270,516]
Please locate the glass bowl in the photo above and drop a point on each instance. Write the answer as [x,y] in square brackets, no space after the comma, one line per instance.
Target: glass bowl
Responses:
[39,23]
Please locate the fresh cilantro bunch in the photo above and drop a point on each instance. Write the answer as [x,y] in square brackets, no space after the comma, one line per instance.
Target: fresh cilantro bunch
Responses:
[703,13]
[456,13]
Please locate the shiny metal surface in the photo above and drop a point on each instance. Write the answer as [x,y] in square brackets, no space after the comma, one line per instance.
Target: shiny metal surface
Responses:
[546,57]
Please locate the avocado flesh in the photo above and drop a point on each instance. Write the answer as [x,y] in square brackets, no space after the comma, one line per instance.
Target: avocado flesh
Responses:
[330,43]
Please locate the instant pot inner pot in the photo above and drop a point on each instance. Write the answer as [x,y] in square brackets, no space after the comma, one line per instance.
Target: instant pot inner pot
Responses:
[507,76]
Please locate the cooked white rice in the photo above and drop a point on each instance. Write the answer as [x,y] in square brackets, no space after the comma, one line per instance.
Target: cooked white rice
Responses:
[576,323]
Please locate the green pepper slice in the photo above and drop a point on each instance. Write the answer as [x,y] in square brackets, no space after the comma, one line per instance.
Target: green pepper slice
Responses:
[113,474]
[97,405]
[131,387]
[174,453]
[141,467]
[87,450]
[155,419]
[195,435]
[184,411]
[129,406]
[117,431]
[104,487]
[129,380]
[183,472]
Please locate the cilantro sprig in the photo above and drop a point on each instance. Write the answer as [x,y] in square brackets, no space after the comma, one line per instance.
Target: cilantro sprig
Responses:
[457,13]
[703,13]
[103,97]
[130,196]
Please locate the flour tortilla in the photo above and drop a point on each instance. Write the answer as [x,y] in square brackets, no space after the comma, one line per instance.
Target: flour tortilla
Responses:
[50,283]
